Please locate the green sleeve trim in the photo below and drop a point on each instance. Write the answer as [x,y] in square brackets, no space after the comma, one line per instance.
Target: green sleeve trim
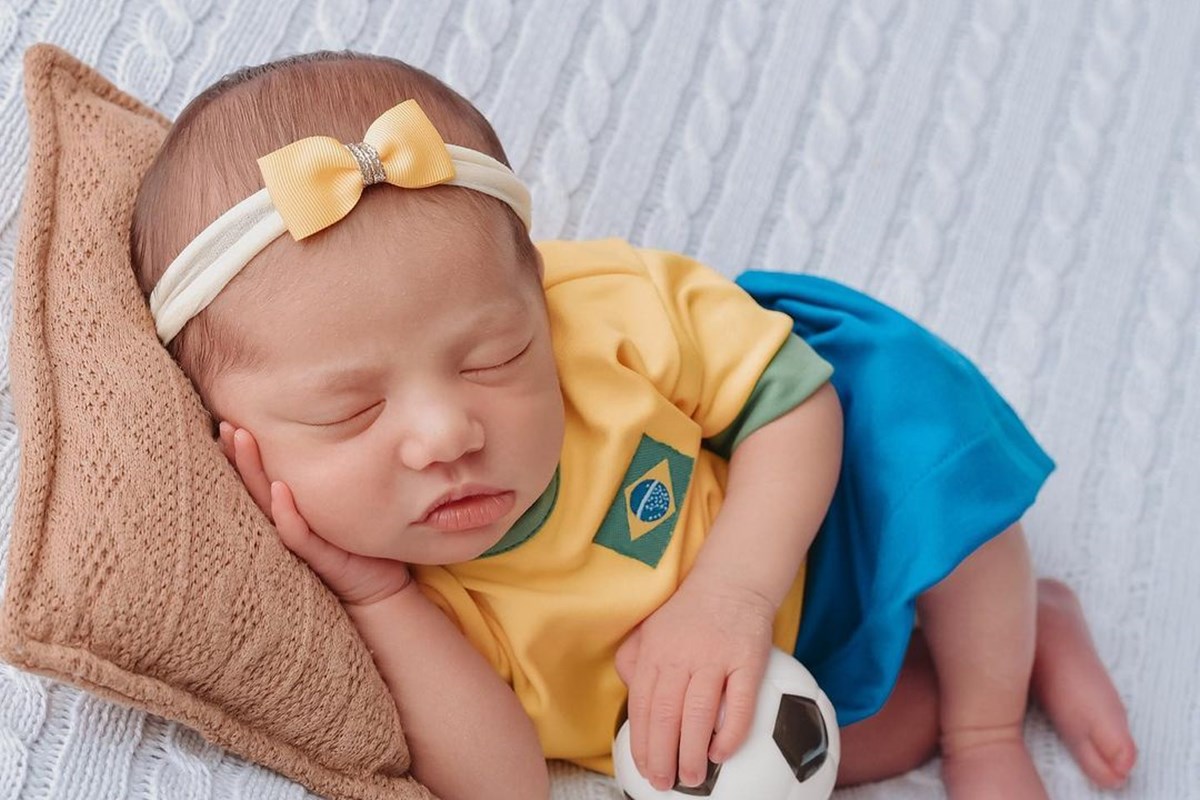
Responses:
[795,372]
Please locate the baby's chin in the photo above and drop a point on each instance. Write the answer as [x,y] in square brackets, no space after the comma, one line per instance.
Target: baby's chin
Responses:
[445,548]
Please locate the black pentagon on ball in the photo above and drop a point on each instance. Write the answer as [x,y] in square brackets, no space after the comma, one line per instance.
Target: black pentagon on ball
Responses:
[705,789]
[801,736]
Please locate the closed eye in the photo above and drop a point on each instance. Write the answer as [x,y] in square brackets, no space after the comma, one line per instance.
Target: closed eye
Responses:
[503,364]
[353,416]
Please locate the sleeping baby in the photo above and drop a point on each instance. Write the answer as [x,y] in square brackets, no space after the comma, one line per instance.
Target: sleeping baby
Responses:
[589,475]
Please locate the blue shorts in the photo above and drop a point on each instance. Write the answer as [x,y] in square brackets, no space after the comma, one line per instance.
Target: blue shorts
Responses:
[935,463]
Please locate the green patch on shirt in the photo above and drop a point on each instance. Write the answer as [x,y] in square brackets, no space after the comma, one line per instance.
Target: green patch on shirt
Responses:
[642,517]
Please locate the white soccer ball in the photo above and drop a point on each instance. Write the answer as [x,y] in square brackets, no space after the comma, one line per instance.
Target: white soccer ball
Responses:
[791,752]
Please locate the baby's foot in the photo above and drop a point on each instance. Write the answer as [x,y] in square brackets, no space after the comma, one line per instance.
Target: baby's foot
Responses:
[1073,687]
[990,765]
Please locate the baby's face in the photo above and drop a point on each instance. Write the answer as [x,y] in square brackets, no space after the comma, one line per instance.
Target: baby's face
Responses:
[397,373]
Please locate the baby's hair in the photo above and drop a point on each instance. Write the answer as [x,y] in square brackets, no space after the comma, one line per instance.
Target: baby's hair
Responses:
[208,163]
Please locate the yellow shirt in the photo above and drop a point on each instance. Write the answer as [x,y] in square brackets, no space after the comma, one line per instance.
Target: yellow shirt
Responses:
[665,365]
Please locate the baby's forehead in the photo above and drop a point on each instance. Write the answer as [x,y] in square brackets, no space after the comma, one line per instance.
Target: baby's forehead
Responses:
[292,309]
[357,356]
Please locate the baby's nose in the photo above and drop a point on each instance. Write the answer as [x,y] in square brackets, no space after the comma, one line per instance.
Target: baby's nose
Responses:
[442,438]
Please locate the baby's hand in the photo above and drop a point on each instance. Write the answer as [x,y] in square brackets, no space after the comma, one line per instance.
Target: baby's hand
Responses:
[355,579]
[705,641]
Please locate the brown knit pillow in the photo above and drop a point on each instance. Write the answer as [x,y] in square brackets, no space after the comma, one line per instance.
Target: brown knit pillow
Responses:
[139,566]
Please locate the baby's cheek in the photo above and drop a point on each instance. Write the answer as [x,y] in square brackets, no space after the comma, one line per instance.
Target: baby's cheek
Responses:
[317,486]
[343,503]
[543,425]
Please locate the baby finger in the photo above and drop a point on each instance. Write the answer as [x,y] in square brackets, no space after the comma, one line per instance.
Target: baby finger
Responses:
[322,556]
[641,690]
[225,440]
[699,719]
[741,695]
[249,465]
[666,716]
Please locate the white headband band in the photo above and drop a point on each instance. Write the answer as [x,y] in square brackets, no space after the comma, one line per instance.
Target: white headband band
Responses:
[222,249]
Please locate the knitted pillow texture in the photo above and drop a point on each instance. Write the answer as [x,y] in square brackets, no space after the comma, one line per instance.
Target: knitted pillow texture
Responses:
[139,567]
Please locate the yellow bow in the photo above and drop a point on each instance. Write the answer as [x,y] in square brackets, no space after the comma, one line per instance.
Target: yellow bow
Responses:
[314,182]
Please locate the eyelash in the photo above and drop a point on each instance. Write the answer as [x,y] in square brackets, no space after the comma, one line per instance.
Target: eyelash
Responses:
[343,421]
[524,350]
[353,417]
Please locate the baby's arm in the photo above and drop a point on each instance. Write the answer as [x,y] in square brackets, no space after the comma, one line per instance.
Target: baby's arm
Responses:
[781,480]
[712,637]
[467,733]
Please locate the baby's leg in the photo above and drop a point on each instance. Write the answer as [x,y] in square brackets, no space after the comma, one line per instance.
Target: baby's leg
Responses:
[980,625]
[1069,681]
[903,734]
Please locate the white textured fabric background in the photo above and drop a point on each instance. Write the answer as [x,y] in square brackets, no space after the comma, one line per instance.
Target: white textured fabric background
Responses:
[1021,176]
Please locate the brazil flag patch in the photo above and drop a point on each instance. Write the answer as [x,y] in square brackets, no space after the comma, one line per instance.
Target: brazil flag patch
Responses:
[642,518]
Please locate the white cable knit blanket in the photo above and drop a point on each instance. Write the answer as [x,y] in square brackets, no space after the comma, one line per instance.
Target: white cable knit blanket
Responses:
[1022,176]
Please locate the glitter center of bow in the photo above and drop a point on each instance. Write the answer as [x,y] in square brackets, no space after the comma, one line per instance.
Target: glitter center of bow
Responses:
[368,161]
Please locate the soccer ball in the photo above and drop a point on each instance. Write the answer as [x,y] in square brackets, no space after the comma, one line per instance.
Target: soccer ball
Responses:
[791,752]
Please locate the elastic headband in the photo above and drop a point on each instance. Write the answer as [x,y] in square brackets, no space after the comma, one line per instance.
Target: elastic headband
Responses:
[311,184]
